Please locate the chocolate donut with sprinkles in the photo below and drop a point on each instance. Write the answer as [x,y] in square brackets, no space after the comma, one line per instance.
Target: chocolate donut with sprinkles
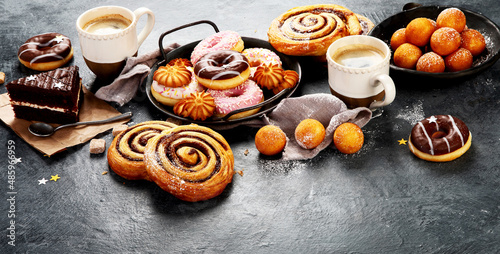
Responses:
[45,52]
[440,138]
[222,69]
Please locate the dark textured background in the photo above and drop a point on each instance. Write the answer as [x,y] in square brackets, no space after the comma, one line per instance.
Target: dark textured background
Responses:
[380,200]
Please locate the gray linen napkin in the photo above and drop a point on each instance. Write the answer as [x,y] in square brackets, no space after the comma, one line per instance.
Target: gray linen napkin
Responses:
[136,69]
[326,108]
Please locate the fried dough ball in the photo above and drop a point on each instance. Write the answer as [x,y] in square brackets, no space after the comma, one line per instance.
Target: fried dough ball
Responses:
[445,40]
[459,60]
[348,138]
[431,62]
[407,55]
[270,140]
[474,41]
[309,133]
[453,18]
[419,31]
[398,38]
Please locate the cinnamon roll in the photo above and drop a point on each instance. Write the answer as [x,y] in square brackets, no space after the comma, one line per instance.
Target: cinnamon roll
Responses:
[191,162]
[126,152]
[309,30]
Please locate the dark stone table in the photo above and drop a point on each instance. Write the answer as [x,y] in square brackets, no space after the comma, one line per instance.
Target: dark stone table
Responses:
[380,200]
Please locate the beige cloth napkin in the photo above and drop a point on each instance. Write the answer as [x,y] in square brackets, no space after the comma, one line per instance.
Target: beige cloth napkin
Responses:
[92,109]
[326,108]
[136,69]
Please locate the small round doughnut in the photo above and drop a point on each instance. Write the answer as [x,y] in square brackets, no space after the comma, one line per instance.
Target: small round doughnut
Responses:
[223,40]
[440,138]
[474,41]
[398,38]
[309,133]
[431,62]
[407,55]
[348,138]
[171,95]
[445,40]
[45,52]
[418,31]
[223,69]
[270,140]
[453,18]
[242,96]
[459,60]
[259,56]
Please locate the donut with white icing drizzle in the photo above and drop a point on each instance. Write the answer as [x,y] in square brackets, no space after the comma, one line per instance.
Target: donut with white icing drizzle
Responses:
[440,138]
[222,69]
[45,52]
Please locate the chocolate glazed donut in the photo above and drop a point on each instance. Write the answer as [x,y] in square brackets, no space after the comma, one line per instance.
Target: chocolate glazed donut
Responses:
[191,162]
[45,51]
[222,69]
[440,134]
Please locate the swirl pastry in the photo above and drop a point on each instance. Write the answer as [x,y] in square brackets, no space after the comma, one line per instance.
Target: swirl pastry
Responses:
[198,106]
[126,152]
[309,30]
[191,162]
[269,76]
[172,75]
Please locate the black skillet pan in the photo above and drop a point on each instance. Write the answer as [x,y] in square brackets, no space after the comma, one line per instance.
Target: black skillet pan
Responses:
[488,29]
[270,100]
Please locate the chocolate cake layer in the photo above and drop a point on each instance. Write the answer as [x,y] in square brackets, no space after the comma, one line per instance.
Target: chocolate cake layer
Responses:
[57,88]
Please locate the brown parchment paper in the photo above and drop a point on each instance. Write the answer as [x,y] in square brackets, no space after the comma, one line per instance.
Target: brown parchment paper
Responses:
[91,109]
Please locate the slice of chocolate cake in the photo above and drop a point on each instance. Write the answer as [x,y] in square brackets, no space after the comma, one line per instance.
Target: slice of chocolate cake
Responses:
[52,97]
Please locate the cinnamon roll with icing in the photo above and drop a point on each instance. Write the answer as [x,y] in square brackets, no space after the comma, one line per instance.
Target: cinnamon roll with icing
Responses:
[126,152]
[191,162]
[309,30]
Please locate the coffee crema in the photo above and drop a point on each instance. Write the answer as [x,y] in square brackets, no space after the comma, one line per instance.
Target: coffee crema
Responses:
[108,24]
[358,56]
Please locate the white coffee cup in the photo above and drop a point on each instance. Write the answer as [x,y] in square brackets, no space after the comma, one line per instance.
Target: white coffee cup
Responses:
[105,52]
[359,78]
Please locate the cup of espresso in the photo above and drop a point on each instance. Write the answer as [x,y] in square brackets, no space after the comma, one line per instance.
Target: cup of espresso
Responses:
[108,35]
[358,71]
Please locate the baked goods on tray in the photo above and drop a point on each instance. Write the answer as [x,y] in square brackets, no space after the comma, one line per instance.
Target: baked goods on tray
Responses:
[53,97]
[309,30]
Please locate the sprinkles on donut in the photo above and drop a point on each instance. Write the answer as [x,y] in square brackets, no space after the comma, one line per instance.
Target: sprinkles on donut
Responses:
[45,52]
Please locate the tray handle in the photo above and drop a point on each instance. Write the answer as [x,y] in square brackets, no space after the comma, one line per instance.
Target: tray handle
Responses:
[160,41]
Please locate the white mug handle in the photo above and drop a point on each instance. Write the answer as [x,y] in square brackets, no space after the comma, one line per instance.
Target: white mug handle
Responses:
[149,25]
[389,88]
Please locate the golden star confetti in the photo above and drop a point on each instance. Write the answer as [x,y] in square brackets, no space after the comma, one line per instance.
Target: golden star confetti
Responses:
[55,178]
[402,141]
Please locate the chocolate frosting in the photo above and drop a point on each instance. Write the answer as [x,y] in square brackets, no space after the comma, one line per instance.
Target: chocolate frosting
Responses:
[221,64]
[441,134]
[45,48]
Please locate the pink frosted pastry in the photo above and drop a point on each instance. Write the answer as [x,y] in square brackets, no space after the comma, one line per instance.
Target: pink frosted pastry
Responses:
[220,41]
[242,96]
